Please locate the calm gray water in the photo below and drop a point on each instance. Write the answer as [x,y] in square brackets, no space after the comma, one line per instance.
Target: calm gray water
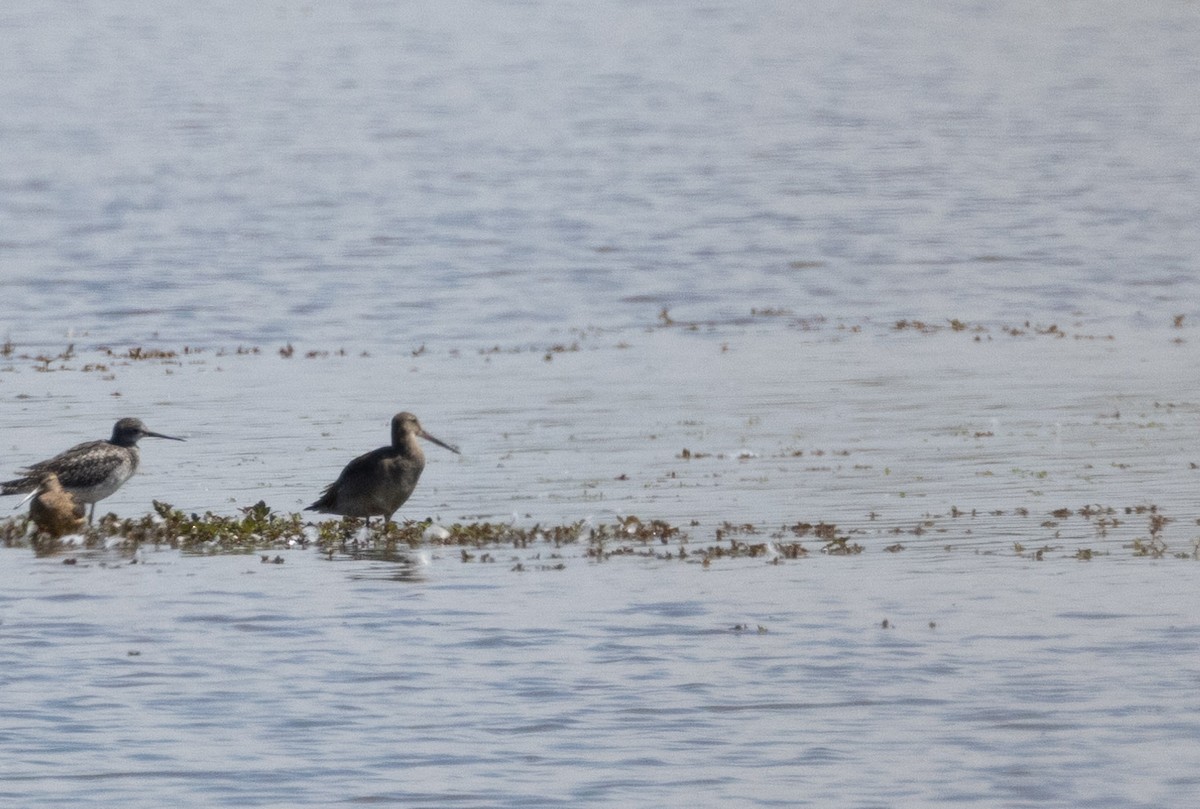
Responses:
[479,212]
[223,681]
[366,174]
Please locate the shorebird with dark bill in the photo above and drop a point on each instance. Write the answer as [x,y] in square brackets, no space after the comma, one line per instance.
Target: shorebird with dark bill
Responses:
[53,510]
[93,470]
[378,482]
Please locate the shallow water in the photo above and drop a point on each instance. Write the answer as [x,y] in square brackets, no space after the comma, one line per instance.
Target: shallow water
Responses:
[635,260]
[353,174]
[873,427]
[313,683]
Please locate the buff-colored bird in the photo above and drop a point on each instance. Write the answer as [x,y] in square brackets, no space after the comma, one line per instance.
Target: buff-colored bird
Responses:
[53,509]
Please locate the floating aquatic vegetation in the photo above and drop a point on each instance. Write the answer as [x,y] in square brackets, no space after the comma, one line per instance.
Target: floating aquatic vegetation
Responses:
[105,357]
[1153,547]
[825,531]
[841,546]
[139,353]
[632,536]
[350,535]
[259,529]
[981,333]
[559,348]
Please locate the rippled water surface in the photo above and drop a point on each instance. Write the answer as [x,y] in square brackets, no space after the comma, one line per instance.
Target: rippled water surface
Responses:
[924,273]
[233,682]
[357,172]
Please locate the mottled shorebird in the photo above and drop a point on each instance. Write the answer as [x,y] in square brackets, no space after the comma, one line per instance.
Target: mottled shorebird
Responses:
[53,510]
[378,482]
[93,470]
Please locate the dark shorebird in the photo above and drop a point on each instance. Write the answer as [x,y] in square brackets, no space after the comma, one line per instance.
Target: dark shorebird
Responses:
[53,510]
[93,470]
[378,482]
